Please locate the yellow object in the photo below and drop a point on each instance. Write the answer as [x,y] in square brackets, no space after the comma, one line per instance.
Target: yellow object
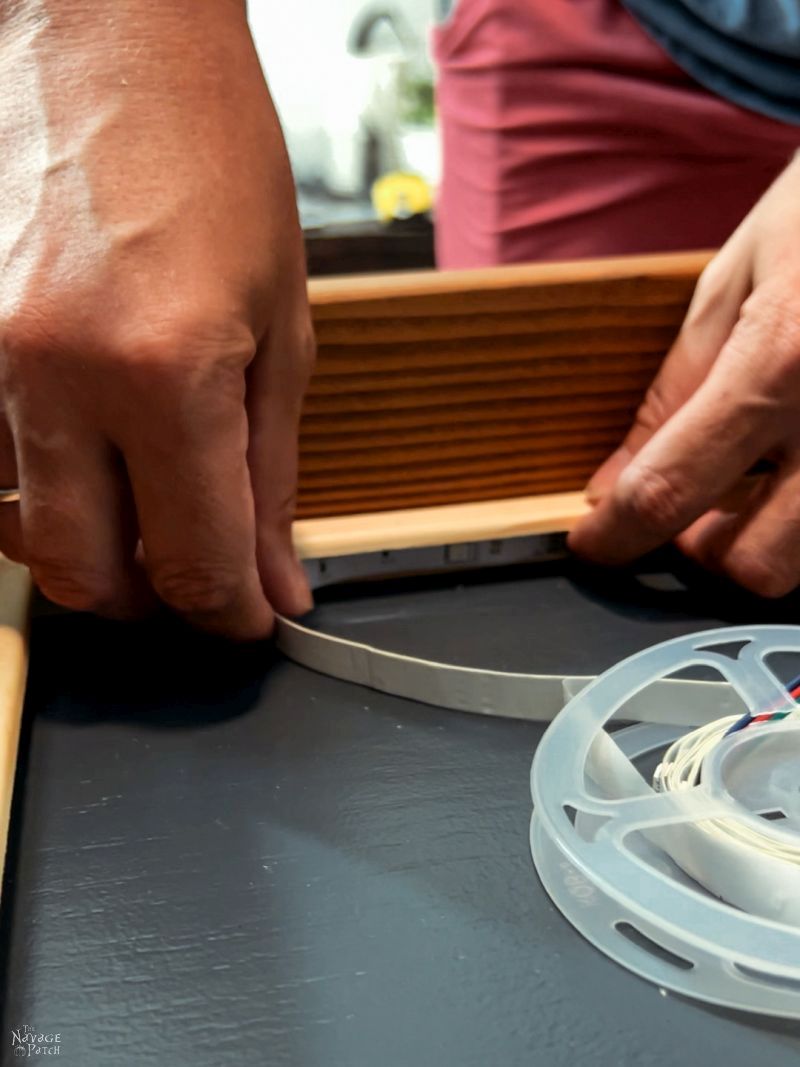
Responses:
[398,195]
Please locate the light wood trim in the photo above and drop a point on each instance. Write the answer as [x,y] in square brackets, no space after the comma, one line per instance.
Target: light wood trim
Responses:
[15,598]
[345,535]
[436,387]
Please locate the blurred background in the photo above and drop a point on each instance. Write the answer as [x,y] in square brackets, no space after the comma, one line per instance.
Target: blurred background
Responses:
[353,83]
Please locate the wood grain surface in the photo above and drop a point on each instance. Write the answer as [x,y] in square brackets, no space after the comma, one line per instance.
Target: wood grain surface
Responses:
[442,387]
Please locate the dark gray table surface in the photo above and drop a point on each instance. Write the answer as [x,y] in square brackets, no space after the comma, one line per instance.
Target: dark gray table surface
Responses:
[219,857]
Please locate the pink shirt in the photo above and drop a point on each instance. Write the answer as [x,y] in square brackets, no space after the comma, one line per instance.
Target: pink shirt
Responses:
[568,132]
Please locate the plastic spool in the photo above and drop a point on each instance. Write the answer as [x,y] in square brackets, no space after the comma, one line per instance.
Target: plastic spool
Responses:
[670,884]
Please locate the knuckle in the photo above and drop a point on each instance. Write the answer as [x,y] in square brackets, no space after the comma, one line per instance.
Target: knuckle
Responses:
[765,576]
[71,585]
[196,588]
[712,281]
[27,342]
[185,351]
[654,410]
[186,347]
[709,291]
[655,500]
[770,322]
[292,364]
[302,368]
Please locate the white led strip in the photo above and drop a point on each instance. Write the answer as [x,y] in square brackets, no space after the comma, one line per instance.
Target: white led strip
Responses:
[535,697]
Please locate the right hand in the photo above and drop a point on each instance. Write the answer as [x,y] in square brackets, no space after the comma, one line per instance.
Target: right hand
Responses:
[726,397]
[155,337]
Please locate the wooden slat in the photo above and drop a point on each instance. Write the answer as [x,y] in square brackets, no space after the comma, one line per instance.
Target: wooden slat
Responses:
[457,386]
[15,595]
[448,470]
[411,396]
[478,434]
[502,449]
[410,328]
[463,369]
[629,280]
[524,413]
[345,535]
[475,347]
[350,502]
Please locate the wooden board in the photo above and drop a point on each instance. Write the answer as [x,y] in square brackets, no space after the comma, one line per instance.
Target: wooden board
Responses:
[15,596]
[437,388]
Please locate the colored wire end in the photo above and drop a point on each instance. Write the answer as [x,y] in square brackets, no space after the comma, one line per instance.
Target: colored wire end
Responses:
[793,689]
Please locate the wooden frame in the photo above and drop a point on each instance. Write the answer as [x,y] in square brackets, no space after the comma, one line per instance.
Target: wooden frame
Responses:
[443,388]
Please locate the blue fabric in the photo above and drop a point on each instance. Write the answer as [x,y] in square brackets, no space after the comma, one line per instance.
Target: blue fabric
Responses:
[746,50]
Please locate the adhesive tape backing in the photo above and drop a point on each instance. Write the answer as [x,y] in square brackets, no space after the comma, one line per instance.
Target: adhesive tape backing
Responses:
[666,883]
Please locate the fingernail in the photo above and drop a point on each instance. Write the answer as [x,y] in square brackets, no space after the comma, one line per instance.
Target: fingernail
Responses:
[593,492]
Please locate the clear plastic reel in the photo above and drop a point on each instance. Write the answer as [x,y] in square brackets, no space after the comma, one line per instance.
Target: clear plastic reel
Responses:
[640,873]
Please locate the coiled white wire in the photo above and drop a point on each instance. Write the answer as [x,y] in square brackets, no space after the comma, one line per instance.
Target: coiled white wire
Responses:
[681,768]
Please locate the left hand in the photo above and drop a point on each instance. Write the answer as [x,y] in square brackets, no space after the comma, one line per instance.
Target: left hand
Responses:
[727,396]
[155,334]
